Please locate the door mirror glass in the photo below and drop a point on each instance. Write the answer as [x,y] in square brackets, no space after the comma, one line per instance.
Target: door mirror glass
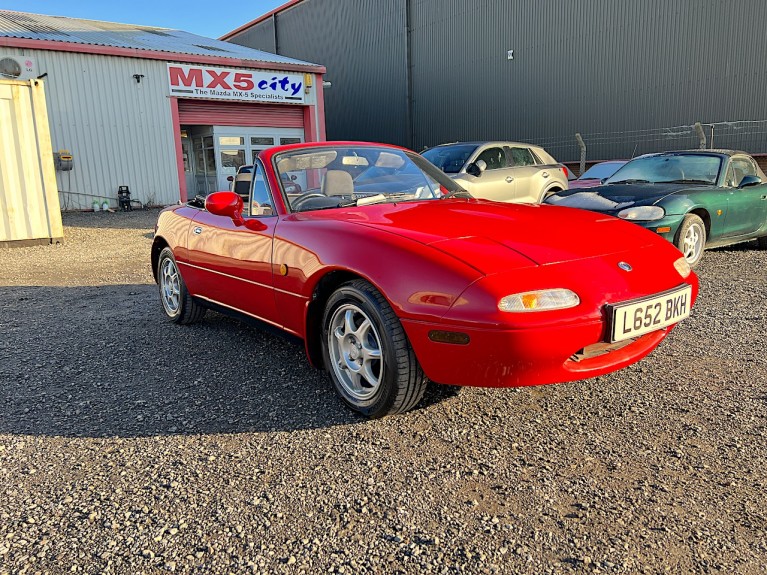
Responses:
[749,181]
[476,168]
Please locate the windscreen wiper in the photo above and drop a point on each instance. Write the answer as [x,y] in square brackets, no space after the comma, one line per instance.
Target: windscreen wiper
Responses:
[459,193]
[632,181]
[685,181]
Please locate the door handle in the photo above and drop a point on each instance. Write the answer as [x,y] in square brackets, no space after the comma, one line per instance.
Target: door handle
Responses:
[545,174]
[509,179]
[197,231]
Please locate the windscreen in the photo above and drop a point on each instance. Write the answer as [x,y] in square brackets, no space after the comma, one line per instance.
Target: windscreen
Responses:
[601,171]
[450,159]
[670,168]
[329,177]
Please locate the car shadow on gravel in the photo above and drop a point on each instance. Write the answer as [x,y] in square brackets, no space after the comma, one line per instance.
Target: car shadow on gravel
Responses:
[104,361]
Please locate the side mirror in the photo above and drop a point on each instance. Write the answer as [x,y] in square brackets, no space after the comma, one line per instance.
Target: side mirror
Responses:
[230,178]
[226,204]
[476,168]
[229,204]
[603,180]
[749,181]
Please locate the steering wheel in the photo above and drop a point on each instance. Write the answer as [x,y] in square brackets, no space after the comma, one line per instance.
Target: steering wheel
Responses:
[296,204]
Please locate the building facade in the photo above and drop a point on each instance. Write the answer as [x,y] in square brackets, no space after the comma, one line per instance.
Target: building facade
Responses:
[630,77]
[166,113]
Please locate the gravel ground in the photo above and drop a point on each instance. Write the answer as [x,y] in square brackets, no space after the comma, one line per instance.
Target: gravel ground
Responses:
[131,445]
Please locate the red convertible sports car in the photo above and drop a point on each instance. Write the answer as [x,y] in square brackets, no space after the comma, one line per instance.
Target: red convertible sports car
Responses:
[393,275]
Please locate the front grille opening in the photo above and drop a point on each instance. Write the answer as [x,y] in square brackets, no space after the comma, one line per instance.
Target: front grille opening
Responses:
[597,349]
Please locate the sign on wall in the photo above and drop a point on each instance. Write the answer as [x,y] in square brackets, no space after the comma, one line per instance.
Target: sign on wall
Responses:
[230,84]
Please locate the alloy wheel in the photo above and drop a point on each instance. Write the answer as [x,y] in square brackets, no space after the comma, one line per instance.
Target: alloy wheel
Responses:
[355,352]
[692,245]
[170,287]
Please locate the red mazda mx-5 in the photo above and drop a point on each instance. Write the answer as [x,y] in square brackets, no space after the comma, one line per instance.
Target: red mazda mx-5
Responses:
[393,275]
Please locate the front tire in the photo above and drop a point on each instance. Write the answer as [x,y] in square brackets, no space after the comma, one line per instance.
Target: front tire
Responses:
[690,239]
[371,364]
[762,243]
[177,303]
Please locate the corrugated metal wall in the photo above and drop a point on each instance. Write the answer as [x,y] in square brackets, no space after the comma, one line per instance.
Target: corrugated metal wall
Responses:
[598,67]
[621,73]
[363,46]
[119,131]
[260,37]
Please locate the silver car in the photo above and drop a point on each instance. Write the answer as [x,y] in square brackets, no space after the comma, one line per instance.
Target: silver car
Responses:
[501,171]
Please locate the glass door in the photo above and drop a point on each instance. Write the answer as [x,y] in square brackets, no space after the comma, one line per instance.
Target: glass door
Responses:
[231,153]
[205,165]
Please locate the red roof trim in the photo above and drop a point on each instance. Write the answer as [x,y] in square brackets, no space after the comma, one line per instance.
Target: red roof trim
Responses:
[260,19]
[56,46]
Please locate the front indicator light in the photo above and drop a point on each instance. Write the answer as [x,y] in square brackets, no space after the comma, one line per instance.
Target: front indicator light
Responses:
[683,267]
[663,230]
[541,300]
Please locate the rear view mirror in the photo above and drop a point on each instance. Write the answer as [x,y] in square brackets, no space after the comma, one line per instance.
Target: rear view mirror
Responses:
[749,181]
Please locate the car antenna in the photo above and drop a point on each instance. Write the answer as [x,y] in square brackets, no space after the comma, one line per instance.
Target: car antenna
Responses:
[634,152]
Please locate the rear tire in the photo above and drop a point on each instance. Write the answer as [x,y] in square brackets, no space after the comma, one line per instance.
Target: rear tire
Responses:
[371,364]
[690,239]
[176,301]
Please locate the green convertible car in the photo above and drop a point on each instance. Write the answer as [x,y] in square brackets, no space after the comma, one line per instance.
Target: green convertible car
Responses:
[694,199]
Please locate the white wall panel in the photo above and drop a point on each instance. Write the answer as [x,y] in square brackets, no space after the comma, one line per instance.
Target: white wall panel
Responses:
[119,131]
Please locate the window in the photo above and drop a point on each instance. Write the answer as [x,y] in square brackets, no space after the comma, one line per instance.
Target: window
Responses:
[255,141]
[521,157]
[232,159]
[231,141]
[449,159]
[739,169]
[261,201]
[284,141]
[495,158]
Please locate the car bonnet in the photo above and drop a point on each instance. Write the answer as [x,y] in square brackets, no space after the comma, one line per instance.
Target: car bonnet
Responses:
[616,197]
[494,237]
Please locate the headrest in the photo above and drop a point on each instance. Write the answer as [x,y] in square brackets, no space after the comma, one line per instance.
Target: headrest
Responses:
[337,183]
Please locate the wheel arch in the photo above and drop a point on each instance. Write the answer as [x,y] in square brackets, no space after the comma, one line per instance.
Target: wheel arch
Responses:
[323,289]
[703,214]
[158,245]
[554,188]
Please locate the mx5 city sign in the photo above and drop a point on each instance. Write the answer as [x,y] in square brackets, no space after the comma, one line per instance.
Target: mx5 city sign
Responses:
[230,84]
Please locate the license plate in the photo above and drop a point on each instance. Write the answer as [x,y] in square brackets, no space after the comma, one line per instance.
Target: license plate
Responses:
[649,314]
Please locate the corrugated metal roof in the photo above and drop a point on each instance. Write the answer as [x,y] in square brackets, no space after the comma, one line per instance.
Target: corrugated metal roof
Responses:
[98,33]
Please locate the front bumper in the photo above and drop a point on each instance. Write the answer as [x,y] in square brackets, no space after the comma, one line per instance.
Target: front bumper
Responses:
[669,222]
[532,356]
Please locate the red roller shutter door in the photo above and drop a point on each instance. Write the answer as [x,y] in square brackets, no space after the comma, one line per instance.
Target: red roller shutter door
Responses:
[208,113]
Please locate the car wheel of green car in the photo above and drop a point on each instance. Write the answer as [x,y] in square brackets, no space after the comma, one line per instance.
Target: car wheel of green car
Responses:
[762,242]
[691,239]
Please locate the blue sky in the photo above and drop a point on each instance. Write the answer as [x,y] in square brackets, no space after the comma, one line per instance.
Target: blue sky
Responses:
[206,18]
